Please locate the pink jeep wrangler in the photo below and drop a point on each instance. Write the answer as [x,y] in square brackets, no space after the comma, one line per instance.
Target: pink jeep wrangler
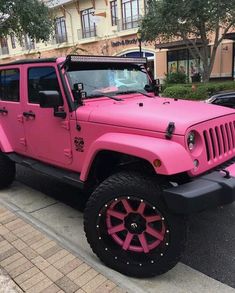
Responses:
[95,122]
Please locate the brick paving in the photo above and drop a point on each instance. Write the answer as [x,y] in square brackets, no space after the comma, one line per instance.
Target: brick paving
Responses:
[32,262]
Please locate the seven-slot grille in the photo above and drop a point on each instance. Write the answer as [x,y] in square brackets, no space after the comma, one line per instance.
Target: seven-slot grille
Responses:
[219,140]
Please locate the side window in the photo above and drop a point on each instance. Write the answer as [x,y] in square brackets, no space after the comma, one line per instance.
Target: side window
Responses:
[41,79]
[227,102]
[233,102]
[10,85]
[223,101]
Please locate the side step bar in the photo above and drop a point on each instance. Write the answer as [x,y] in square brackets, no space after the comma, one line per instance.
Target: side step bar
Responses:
[66,176]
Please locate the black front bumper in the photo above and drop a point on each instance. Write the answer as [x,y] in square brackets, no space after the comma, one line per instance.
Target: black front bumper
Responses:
[202,193]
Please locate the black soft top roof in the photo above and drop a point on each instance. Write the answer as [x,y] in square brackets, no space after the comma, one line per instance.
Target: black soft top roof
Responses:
[27,61]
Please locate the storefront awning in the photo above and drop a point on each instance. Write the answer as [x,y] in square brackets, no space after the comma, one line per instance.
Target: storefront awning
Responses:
[230,36]
[177,44]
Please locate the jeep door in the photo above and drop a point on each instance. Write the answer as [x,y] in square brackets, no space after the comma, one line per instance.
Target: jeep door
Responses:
[11,119]
[47,136]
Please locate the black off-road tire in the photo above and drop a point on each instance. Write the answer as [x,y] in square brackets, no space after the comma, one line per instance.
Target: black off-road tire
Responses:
[7,171]
[136,189]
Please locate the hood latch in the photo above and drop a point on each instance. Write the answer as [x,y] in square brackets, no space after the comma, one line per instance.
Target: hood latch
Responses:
[170,129]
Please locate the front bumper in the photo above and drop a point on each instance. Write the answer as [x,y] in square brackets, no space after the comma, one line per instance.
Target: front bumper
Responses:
[202,193]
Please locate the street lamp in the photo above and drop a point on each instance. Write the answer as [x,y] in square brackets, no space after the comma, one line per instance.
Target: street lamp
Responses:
[139,35]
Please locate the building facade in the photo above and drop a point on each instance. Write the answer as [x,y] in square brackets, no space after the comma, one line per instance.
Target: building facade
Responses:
[109,27]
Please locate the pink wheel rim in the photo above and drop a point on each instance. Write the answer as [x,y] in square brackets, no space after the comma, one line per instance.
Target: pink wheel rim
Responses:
[137,227]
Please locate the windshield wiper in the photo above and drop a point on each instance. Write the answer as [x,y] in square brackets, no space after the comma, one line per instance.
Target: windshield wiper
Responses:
[134,91]
[105,95]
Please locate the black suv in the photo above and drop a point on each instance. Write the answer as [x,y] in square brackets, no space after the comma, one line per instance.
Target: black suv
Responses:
[225,98]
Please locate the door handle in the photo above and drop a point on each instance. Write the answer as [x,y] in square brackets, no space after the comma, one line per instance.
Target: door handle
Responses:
[28,114]
[3,111]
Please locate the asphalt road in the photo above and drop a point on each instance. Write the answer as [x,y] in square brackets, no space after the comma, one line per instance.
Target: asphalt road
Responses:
[211,244]
[211,235]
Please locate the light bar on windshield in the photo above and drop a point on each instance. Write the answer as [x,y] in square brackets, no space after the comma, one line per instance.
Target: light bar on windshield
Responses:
[105,59]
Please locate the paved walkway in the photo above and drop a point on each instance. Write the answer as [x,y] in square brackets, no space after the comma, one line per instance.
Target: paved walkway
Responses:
[32,262]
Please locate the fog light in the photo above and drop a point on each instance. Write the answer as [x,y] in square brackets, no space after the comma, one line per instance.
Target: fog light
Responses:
[157,163]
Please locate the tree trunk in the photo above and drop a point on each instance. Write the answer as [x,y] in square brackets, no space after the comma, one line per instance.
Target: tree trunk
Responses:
[206,74]
[205,63]
[208,62]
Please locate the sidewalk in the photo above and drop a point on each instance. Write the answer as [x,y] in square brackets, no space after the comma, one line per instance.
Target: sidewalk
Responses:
[32,262]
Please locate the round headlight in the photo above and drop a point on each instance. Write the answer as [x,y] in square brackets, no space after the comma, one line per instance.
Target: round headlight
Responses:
[191,141]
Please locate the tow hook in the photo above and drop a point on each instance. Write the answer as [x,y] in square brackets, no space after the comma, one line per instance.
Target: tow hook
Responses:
[227,174]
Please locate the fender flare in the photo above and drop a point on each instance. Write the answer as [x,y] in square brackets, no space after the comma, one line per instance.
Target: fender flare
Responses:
[5,145]
[173,156]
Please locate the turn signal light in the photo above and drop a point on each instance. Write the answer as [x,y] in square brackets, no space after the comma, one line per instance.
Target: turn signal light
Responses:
[157,163]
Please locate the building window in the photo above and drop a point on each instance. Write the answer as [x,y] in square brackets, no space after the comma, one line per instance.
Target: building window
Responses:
[41,79]
[4,46]
[60,30]
[13,41]
[178,61]
[10,85]
[113,9]
[28,43]
[182,61]
[130,14]
[146,6]
[88,23]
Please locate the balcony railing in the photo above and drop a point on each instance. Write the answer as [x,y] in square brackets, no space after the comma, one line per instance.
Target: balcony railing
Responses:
[129,22]
[61,38]
[4,51]
[29,45]
[58,39]
[87,32]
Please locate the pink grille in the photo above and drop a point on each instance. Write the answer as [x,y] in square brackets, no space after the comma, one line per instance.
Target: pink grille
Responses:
[219,140]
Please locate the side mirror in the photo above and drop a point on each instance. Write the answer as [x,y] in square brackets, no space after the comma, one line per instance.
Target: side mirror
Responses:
[148,88]
[50,99]
[156,87]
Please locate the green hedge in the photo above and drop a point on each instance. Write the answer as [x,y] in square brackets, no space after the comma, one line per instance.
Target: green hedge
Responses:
[175,78]
[202,91]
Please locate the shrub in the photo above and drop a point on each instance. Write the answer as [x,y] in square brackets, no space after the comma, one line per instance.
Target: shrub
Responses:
[177,91]
[175,78]
[202,91]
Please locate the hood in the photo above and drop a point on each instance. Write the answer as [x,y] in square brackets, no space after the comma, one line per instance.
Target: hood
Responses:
[154,114]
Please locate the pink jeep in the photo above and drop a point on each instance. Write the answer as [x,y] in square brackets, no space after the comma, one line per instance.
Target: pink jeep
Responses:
[95,122]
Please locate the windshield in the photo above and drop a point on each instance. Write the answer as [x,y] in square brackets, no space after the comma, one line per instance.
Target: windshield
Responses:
[113,79]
